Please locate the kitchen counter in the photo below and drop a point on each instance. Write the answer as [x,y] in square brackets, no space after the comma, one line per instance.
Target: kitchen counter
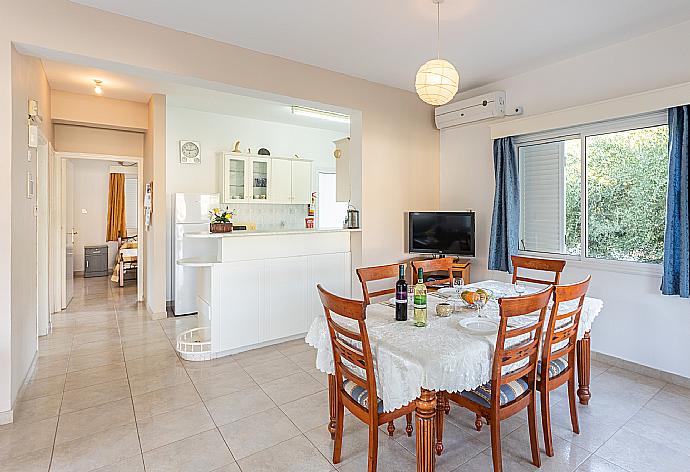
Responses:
[238,233]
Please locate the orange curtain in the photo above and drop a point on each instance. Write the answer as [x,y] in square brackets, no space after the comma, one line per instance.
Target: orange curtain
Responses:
[117,228]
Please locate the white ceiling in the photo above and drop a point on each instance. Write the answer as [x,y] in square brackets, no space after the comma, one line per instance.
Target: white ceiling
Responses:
[386,41]
[79,78]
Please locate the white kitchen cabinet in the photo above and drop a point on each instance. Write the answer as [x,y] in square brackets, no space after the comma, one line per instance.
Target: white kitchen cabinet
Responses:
[286,284]
[301,182]
[266,179]
[281,182]
[332,271]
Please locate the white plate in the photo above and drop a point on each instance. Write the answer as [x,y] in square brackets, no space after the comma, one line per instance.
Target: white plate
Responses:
[477,325]
[447,291]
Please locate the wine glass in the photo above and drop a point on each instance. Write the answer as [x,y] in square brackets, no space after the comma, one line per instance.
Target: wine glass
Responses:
[519,288]
[479,303]
[458,284]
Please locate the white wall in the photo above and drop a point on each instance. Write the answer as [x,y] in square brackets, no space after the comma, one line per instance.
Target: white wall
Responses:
[637,323]
[91,181]
[216,134]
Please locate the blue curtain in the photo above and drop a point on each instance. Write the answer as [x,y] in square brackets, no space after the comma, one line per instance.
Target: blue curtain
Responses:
[505,223]
[676,279]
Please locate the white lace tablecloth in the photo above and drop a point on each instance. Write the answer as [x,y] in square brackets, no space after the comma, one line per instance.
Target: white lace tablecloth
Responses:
[440,356]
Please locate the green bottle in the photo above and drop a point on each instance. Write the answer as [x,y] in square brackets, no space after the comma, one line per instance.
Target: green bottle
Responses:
[420,314]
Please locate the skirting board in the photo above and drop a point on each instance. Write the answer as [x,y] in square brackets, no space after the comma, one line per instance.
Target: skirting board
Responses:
[642,369]
[7,417]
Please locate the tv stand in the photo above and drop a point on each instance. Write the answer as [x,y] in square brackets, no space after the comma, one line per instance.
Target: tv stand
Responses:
[461,267]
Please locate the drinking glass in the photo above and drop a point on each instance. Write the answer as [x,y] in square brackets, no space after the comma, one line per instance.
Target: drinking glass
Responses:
[479,303]
[458,284]
[519,288]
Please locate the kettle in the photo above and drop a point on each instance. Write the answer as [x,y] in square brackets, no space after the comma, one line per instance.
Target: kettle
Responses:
[352,220]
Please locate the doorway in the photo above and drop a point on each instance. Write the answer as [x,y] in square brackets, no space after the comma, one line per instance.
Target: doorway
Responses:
[67,252]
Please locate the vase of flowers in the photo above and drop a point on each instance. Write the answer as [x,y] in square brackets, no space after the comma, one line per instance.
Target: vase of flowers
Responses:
[221,220]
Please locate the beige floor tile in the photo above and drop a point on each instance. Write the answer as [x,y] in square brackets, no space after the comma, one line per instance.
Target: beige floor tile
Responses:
[637,454]
[133,464]
[37,409]
[567,456]
[95,376]
[258,356]
[483,463]
[203,370]
[391,456]
[290,388]
[203,452]
[294,455]
[596,464]
[258,432]
[293,347]
[229,468]
[306,359]
[165,400]
[238,405]
[223,384]
[95,348]
[148,349]
[308,412]
[159,430]
[668,401]
[272,369]
[17,439]
[670,431]
[88,361]
[166,377]
[149,364]
[43,387]
[74,400]
[97,450]
[92,420]
[36,461]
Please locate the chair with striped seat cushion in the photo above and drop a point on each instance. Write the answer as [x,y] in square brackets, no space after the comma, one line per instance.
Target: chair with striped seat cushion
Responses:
[509,392]
[360,395]
[556,366]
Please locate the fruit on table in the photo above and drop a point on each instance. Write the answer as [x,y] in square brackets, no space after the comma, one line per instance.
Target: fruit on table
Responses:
[483,294]
[470,297]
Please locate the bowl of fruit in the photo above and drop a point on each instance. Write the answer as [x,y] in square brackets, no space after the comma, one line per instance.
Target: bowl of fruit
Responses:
[476,298]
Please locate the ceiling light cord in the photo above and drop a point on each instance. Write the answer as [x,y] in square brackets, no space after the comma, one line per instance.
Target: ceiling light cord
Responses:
[438,30]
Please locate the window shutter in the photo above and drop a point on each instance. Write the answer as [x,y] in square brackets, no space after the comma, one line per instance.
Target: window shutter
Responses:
[542,187]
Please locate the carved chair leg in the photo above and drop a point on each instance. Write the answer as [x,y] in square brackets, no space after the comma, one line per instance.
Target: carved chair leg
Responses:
[478,423]
[425,430]
[447,401]
[408,428]
[332,405]
[440,413]
[391,428]
[583,368]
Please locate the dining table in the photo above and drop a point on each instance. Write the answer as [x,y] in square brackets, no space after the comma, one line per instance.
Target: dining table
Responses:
[418,364]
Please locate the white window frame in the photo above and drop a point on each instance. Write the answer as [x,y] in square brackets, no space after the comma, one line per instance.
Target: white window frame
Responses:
[582,132]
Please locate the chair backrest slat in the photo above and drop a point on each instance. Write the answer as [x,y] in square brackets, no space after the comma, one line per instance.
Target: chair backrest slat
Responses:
[371,274]
[533,263]
[558,332]
[526,350]
[342,341]
[442,264]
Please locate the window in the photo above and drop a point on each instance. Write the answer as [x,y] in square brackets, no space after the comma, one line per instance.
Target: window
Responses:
[131,211]
[625,169]
[330,214]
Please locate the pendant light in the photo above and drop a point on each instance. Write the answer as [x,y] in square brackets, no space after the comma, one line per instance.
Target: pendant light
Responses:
[437,80]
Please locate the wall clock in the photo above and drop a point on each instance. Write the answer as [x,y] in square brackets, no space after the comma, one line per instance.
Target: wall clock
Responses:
[190,152]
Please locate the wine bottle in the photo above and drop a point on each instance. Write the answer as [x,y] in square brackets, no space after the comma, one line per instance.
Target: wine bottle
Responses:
[401,295]
[420,315]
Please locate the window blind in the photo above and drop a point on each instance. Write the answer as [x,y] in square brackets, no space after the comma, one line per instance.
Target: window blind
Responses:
[542,197]
[131,211]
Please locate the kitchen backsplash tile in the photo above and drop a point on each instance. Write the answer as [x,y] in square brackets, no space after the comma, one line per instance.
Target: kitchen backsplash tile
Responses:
[270,217]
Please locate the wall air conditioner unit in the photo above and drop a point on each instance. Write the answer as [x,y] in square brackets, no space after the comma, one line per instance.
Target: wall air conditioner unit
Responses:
[491,105]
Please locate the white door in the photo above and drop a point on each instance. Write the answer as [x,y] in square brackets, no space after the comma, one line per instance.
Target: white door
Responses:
[42,237]
[238,326]
[301,182]
[68,231]
[281,181]
[287,302]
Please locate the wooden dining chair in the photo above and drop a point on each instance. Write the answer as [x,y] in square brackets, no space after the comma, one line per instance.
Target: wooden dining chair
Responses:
[508,393]
[543,265]
[559,355]
[354,375]
[371,274]
[443,264]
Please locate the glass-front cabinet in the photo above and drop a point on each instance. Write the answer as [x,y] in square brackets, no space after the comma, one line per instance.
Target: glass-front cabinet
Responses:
[260,175]
[235,178]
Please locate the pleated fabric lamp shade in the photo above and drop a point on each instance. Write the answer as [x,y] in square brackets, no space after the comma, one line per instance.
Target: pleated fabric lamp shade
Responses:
[437,82]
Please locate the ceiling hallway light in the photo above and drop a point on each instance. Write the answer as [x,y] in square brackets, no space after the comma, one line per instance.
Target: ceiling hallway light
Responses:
[98,89]
[321,114]
[437,80]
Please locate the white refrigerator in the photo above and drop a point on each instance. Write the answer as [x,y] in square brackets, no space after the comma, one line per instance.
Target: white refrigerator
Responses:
[190,215]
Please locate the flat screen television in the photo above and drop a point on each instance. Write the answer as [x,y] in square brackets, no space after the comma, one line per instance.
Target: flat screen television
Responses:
[441,232]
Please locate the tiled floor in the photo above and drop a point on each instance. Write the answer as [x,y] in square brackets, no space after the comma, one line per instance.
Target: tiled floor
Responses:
[110,394]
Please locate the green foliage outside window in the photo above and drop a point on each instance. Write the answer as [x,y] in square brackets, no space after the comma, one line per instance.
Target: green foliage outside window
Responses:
[627,179]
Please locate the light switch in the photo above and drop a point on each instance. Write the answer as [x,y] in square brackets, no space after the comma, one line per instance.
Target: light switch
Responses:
[83,211]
